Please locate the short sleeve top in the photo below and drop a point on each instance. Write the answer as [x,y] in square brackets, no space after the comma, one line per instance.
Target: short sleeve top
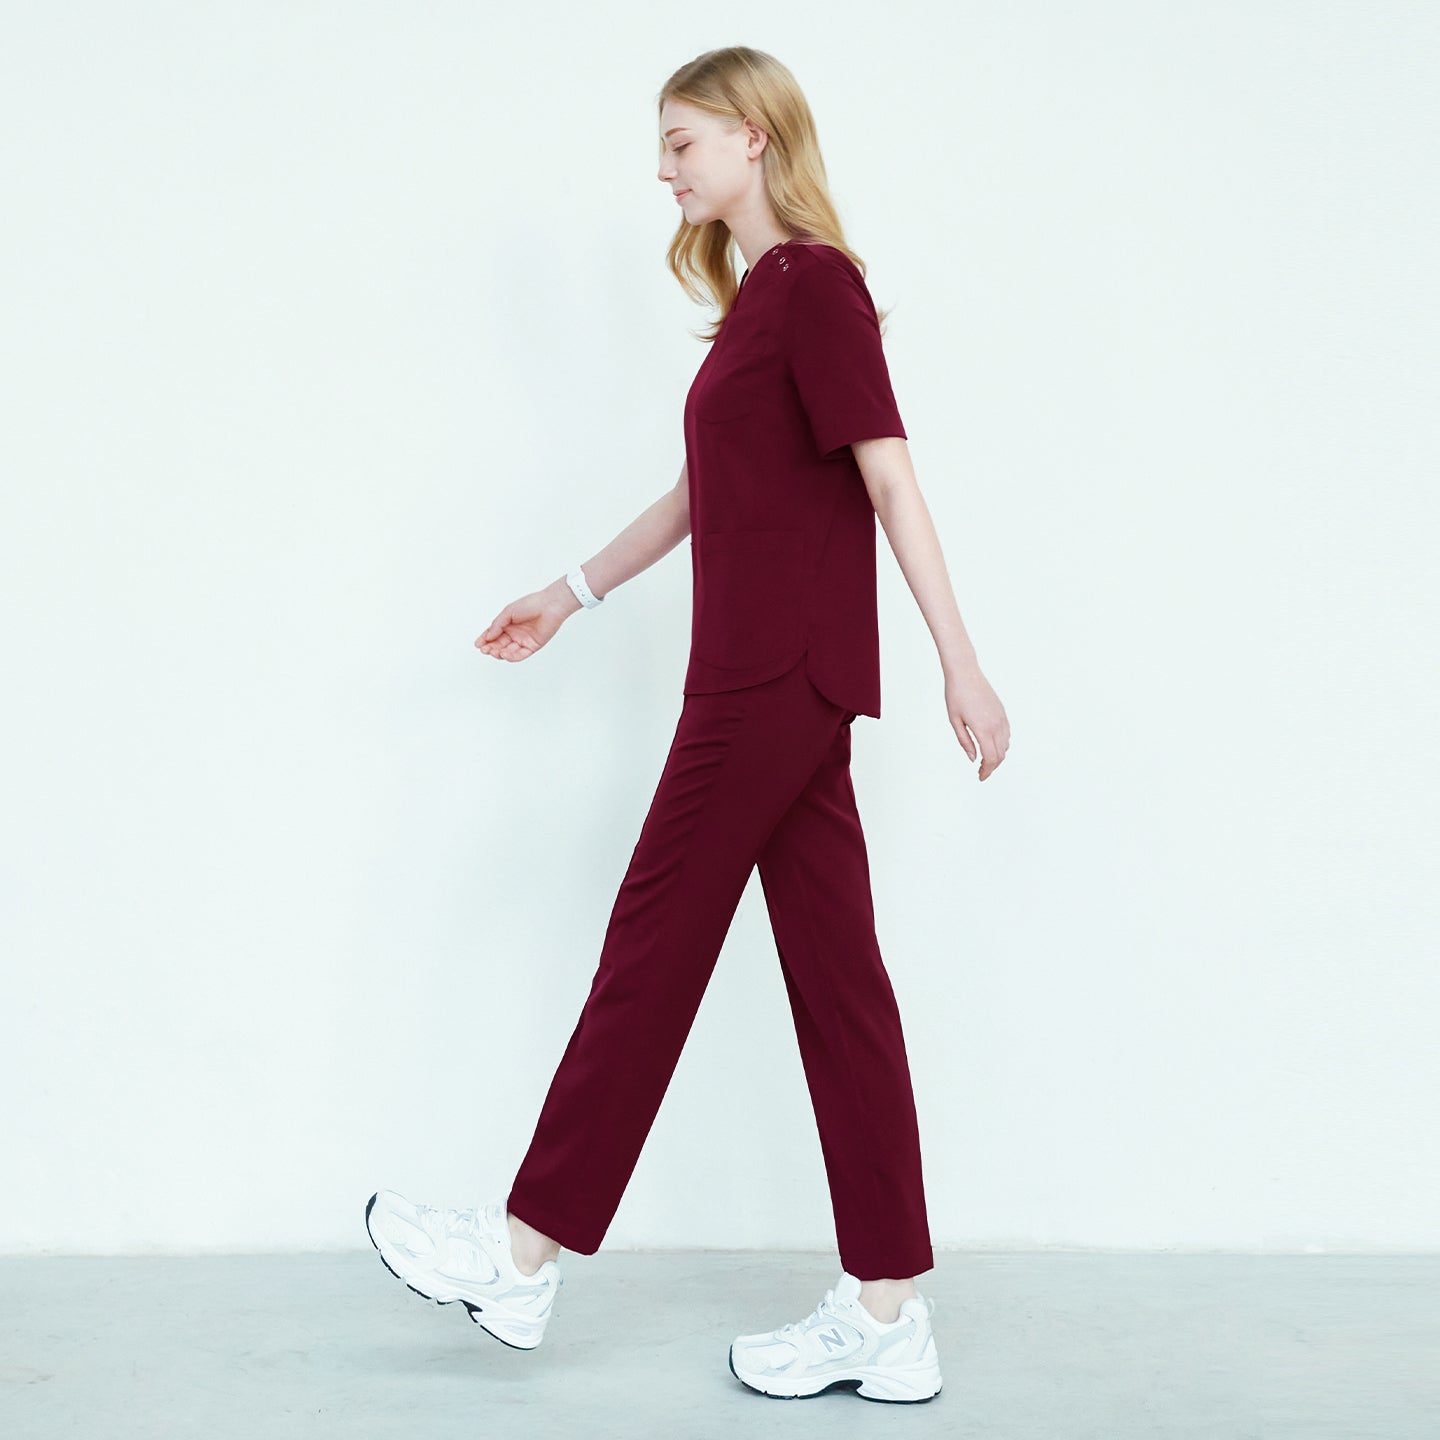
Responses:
[782,528]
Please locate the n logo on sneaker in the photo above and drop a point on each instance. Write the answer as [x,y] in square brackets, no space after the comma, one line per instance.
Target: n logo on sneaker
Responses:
[832,1339]
[468,1264]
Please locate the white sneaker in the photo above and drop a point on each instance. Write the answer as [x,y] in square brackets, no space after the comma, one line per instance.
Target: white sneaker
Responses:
[464,1255]
[841,1343]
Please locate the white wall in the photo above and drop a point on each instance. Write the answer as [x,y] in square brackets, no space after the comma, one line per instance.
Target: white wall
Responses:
[330,329]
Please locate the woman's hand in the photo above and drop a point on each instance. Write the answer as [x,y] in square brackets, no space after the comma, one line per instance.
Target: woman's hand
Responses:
[524,625]
[975,709]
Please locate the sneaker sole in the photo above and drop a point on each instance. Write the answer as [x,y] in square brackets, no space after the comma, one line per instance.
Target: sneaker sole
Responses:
[887,1386]
[476,1311]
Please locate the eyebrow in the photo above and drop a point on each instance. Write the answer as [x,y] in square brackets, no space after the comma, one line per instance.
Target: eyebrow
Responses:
[673,129]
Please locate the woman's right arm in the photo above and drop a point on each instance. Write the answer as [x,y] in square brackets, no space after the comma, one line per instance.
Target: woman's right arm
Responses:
[522,627]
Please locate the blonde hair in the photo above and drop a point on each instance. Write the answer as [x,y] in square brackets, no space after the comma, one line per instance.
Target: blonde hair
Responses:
[738,84]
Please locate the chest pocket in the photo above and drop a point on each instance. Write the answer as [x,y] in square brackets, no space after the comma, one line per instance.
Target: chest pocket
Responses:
[750,604]
[738,374]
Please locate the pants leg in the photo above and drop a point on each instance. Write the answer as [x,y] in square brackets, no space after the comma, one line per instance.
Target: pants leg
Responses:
[816,877]
[739,764]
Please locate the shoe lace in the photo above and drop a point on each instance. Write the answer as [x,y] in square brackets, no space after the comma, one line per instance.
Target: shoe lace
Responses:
[453,1221]
[826,1309]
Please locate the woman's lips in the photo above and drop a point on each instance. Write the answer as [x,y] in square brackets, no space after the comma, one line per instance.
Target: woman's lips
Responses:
[681,194]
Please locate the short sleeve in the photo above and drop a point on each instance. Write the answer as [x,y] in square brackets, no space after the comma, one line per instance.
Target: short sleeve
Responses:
[832,340]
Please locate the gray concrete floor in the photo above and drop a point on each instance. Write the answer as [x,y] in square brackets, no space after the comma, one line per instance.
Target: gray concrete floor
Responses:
[1053,1345]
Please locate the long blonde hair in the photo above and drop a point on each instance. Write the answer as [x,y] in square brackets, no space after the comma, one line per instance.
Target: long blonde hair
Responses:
[738,84]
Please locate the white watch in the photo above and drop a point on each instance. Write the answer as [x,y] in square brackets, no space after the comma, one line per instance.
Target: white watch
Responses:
[576,581]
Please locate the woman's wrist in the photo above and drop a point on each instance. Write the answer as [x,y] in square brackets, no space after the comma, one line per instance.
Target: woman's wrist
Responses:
[561,598]
[960,663]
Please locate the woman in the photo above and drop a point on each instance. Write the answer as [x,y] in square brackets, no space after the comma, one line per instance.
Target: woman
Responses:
[793,444]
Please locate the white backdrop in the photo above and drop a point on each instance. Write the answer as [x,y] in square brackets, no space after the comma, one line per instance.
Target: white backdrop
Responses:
[329,329]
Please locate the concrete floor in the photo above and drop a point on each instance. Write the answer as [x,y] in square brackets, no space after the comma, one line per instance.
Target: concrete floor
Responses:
[1054,1345]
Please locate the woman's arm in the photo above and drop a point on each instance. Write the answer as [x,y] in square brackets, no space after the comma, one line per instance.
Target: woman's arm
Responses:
[656,531]
[890,478]
[526,624]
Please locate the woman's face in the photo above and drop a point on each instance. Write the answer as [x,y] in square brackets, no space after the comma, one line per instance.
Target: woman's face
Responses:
[711,164]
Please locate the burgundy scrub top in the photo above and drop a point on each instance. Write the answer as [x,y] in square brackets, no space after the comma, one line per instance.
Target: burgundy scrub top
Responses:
[782,531]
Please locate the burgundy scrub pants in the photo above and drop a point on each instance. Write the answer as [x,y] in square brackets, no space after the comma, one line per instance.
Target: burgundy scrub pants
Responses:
[754,776]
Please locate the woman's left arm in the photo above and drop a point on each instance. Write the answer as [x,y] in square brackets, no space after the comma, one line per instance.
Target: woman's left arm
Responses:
[973,706]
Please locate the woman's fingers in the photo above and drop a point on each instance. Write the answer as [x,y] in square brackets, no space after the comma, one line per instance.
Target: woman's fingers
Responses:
[508,645]
[992,751]
[493,629]
[987,744]
[962,731]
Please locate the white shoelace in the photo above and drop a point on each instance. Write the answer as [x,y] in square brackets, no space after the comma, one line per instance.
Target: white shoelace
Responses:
[824,1309]
[452,1221]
